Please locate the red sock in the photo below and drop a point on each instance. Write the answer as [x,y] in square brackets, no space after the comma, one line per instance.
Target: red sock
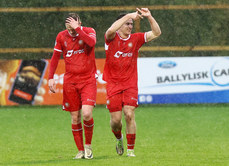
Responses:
[88,130]
[118,134]
[77,132]
[130,140]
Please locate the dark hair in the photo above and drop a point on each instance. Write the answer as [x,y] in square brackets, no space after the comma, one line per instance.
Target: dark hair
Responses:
[120,16]
[75,16]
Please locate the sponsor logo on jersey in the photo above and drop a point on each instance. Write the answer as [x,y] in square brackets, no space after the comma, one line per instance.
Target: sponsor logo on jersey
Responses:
[122,54]
[65,44]
[70,52]
[78,51]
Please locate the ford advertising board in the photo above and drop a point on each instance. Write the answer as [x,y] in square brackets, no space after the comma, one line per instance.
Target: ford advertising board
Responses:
[183,80]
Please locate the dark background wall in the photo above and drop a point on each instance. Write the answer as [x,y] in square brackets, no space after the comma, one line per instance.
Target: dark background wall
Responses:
[180,27]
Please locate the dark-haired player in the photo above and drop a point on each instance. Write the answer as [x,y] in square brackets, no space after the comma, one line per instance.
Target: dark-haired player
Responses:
[120,73]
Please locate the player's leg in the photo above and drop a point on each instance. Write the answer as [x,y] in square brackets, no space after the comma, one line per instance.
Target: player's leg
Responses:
[116,123]
[88,95]
[88,129]
[88,123]
[71,103]
[116,126]
[114,104]
[130,128]
[130,103]
[77,132]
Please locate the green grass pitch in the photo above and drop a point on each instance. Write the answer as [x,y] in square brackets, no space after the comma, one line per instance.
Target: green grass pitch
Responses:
[167,135]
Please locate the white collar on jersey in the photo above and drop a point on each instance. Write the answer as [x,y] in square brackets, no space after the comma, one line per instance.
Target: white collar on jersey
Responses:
[123,38]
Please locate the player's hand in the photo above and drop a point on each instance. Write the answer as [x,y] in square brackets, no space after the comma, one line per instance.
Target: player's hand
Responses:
[52,85]
[72,22]
[135,16]
[144,12]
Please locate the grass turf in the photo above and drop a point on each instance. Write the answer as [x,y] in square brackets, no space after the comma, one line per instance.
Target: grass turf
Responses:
[170,135]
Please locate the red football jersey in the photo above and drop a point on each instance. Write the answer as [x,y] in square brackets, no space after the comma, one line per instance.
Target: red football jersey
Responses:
[78,56]
[121,58]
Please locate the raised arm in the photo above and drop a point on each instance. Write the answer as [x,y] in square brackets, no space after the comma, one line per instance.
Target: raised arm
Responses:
[110,33]
[155,29]
[89,39]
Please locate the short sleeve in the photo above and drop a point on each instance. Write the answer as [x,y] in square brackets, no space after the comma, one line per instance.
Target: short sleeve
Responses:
[141,39]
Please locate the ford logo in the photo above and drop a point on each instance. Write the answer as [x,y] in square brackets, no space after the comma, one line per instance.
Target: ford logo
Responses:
[167,64]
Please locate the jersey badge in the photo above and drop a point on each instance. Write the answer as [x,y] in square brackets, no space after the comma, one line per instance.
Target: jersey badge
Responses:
[80,42]
[130,44]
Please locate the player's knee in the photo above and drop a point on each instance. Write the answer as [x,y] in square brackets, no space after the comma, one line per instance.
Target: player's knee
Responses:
[75,117]
[76,120]
[129,117]
[87,112]
[116,120]
[87,115]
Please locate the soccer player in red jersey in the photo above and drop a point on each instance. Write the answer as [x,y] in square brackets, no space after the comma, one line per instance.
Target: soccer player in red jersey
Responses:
[77,44]
[120,73]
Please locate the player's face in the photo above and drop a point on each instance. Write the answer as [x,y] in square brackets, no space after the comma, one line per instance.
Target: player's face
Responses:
[70,30]
[127,27]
